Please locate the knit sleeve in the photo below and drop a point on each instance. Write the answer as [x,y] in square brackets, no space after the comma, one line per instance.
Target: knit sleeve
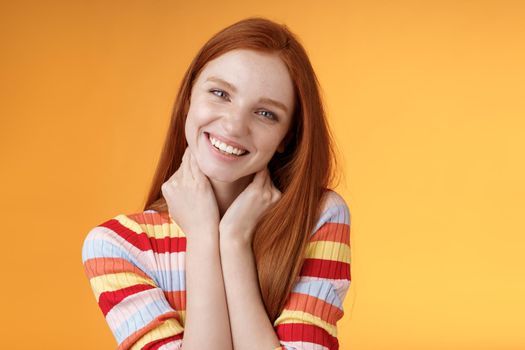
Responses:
[120,265]
[310,315]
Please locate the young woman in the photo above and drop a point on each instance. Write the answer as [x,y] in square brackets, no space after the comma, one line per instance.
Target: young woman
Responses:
[241,244]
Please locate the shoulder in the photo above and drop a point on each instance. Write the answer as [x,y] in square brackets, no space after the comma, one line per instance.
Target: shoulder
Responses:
[333,209]
[333,199]
[148,222]
[327,252]
[131,232]
[120,224]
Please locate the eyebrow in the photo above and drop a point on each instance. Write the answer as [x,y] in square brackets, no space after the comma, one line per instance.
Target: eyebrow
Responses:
[262,99]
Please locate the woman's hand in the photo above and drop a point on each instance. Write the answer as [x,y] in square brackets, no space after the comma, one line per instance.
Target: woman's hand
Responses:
[190,199]
[239,221]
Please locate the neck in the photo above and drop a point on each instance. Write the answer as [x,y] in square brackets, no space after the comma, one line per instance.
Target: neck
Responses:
[226,192]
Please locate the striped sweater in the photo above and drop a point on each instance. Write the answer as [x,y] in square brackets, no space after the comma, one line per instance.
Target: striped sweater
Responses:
[135,266]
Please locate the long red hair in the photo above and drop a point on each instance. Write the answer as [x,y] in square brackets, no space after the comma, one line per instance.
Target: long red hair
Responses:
[303,172]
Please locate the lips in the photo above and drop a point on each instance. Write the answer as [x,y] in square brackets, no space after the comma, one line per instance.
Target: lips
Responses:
[219,154]
[227,141]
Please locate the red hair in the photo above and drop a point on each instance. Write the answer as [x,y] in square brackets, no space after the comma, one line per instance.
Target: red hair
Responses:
[303,172]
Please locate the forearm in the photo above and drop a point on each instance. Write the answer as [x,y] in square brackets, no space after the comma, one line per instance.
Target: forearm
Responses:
[250,325]
[207,323]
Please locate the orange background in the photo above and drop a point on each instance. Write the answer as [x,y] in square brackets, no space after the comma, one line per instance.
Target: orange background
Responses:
[426,99]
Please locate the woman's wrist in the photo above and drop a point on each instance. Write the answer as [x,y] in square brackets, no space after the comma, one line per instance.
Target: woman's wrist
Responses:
[233,241]
[205,238]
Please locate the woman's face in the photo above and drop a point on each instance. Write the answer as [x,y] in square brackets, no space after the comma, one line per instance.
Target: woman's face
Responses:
[245,99]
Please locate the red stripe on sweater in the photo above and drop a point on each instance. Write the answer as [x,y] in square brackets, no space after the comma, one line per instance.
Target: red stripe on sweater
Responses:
[151,218]
[301,332]
[314,306]
[107,300]
[154,345]
[104,266]
[159,320]
[325,269]
[145,243]
[177,299]
[334,232]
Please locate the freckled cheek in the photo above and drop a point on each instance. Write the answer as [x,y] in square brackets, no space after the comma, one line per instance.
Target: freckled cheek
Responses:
[204,114]
[266,144]
[199,116]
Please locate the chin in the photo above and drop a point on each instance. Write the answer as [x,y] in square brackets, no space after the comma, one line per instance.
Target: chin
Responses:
[220,175]
[225,179]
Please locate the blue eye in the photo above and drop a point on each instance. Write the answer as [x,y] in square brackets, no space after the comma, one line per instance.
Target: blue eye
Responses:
[271,115]
[223,94]
[213,91]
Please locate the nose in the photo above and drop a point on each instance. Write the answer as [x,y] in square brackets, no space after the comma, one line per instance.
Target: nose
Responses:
[235,123]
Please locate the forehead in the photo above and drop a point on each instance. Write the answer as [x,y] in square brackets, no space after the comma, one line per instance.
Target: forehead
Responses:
[253,73]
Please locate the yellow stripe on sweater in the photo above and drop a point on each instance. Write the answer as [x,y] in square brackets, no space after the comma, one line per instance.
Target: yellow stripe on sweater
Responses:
[151,230]
[168,328]
[288,316]
[128,223]
[328,250]
[115,281]
[162,230]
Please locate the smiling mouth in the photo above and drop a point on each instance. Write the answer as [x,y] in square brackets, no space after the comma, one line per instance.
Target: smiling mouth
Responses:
[235,152]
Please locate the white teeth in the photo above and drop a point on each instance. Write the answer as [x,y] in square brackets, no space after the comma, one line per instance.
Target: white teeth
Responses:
[226,148]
